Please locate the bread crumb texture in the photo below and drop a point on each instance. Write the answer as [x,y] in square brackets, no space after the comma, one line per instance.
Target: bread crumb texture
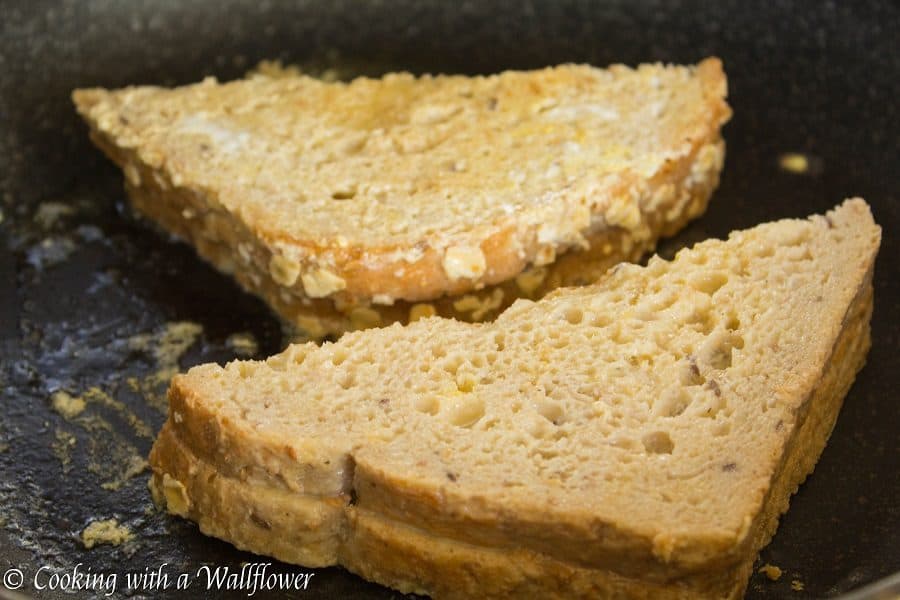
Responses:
[108,531]
[771,571]
[644,430]
[166,346]
[414,188]
[67,405]
[243,343]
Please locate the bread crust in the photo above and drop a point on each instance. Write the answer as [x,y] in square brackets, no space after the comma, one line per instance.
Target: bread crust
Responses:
[344,287]
[400,537]
[297,528]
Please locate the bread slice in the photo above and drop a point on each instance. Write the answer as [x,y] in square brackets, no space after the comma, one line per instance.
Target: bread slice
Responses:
[635,438]
[351,205]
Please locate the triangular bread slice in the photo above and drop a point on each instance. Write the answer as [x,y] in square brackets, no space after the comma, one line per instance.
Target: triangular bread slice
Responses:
[350,205]
[634,438]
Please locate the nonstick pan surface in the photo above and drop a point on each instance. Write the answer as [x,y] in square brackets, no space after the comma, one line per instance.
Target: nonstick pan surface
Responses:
[87,292]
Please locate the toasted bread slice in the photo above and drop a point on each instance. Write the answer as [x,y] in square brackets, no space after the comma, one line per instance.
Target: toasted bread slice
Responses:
[349,205]
[638,437]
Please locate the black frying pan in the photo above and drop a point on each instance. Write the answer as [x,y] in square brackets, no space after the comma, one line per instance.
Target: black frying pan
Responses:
[77,282]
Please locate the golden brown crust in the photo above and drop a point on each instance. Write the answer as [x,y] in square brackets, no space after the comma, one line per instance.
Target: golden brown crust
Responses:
[292,527]
[215,235]
[413,562]
[327,286]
